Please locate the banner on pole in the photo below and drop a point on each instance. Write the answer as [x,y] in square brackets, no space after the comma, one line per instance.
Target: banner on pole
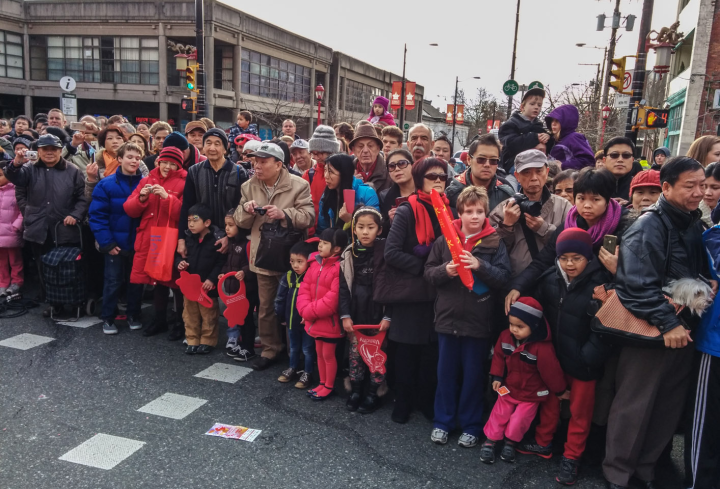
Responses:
[410,95]
[395,101]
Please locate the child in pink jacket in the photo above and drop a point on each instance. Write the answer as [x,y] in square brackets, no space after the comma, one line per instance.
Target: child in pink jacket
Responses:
[317,303]
[11,242]
[380,112]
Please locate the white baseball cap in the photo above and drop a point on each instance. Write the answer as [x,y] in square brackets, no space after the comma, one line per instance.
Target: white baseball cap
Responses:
[269,150]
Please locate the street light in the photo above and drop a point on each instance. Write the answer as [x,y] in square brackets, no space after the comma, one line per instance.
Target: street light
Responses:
[402,87]
[319,93]
[605,115]
[181,62]
[452,141]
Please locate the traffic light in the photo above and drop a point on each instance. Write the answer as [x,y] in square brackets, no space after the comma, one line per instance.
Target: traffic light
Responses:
[190,78]
[188,105]
[656,118]
[617,74]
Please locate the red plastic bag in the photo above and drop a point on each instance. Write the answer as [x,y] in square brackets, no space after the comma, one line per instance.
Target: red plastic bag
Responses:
[369,347]
[160,258]
[349,198]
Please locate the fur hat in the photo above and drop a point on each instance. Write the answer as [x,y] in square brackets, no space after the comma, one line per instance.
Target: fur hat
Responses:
[575,240]
[529,311]
[324,140]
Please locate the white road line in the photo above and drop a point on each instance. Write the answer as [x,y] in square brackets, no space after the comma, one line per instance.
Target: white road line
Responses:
[103,451]
[172,406]
[25,341]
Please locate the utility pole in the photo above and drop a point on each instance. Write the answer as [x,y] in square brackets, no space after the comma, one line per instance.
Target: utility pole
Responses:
[452,143]
[611,52]
[402,93]
[514,55]
[200,50]
[638,83]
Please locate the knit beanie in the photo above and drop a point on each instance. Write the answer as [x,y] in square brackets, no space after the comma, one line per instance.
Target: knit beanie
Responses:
[218,133]
[171,154]
[529,311]
[380,100]
[176,140]
[647,178]
[324,140]
[575,240]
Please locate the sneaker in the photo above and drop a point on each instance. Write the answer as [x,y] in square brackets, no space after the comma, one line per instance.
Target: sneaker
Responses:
[230,345]
[133,323]
[508,452]
[304,380]
[438,436]
[13,289]
[3,291]
[109,328]
[487,452]
[191,349]
[533,448]
[244,355]
[467,440]
[185,342]
[568,471]
[204,349]
[287,375]
[234,352]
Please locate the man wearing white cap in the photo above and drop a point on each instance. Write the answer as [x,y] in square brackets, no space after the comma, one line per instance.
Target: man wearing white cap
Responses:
[300,151]
[271,194]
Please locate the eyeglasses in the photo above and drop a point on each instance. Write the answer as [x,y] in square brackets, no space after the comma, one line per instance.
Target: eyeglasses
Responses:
[617,156]
[577,259]
[434,177]
[400,164]
[482,160]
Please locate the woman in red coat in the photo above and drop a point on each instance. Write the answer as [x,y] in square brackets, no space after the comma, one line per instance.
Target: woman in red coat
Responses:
[157,200]
[317,304]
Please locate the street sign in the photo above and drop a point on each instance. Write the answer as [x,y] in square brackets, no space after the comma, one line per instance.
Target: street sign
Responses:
[68,104]
[627,81]
[622,101]
[656,118]
[536,84]
[67,84]
[510,87]
[523,88]
[406,126]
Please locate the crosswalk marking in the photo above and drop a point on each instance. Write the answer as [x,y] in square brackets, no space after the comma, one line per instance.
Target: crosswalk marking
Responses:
[103,451]
[173,406]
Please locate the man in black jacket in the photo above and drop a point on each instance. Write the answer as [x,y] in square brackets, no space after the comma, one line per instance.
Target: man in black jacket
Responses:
[664,244]
[619,160]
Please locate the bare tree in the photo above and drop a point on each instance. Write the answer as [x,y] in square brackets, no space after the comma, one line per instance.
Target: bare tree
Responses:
[273,110]
[480,109]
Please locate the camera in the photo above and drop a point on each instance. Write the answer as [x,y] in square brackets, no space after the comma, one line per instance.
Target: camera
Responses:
[31,155]
[260,211]
[527,206]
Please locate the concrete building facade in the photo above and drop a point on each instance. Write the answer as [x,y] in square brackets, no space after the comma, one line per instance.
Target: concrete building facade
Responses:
[118,53]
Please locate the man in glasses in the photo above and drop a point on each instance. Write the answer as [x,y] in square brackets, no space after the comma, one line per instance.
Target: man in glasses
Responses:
[483,159]
[525,231]
[619,159]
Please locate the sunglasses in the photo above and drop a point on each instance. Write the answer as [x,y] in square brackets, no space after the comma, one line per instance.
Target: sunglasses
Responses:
[400,164]
[482,160]
[434,177]
[617,156]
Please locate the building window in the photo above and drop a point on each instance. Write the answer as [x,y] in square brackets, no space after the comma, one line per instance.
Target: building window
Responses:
[11,55]
[270,77]
[359,97]
[675,118]
[95,59]
[223,78]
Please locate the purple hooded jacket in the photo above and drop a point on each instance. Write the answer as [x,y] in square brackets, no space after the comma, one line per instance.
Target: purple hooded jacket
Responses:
[572,150]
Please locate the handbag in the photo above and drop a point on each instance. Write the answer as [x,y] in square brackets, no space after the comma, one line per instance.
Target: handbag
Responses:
[273,251]
[160,259]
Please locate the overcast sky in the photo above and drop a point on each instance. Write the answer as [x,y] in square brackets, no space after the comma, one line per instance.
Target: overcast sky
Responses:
[475,37]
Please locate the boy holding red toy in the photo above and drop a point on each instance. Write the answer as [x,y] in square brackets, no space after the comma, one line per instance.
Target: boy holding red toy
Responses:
[464,318]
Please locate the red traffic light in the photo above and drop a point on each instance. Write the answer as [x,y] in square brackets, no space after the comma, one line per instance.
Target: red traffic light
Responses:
[656,118]
[186,105]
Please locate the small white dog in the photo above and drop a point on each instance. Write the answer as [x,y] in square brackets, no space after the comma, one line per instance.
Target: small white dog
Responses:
[691,293]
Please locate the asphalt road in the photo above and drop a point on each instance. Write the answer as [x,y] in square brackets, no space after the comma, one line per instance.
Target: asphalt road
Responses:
[81,385]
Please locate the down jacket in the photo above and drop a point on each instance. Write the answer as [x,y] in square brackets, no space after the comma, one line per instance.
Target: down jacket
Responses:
[459,311]
[109,222]
[317,301]
[581,352]
[364,195]
[53,193]
[11,220]
[572,150]
[530,370]
[154,212]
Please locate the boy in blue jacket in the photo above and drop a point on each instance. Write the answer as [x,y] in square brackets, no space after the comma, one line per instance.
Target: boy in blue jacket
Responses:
[114,233]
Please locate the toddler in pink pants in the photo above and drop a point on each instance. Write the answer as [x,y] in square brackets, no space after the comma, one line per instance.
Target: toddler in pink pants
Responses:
[11,263]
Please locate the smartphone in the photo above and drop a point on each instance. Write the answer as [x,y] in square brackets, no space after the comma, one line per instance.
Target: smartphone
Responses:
[400,200]
[610,243]
[77,126]
[31,155]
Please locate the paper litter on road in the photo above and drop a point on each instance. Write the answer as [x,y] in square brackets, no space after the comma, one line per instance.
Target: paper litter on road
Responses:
[233,432]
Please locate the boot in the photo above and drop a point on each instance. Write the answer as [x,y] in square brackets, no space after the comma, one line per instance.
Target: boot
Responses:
[372,401]
[355,396]
[158,325]
[177,332]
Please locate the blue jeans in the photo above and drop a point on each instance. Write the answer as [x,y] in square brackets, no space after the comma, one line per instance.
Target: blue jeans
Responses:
[117,269]
[467,355]
[299,339]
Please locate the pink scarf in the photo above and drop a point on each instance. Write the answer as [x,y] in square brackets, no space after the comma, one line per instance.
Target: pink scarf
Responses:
[606,225]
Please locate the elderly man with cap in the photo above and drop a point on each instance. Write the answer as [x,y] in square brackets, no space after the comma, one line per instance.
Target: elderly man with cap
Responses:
[214,182]
[323,144]
[55,195]
[526,232]
[300,151]
[369,160]
[191,153]
[271,194]
[194,131]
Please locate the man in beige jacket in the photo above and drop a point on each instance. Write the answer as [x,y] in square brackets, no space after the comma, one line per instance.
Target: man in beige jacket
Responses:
[272,193]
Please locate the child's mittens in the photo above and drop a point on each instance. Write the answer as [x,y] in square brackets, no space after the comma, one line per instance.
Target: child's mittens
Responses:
[421,251]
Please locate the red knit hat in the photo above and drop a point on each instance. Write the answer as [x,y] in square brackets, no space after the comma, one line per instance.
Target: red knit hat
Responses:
[574,240]
[647,178]
[527,310]
[171,154]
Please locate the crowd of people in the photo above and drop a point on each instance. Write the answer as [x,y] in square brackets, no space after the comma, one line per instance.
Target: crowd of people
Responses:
[561,275]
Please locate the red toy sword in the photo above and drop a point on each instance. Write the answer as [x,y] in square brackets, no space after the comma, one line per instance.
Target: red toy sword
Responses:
[369,347]
[237,304]
[451,238]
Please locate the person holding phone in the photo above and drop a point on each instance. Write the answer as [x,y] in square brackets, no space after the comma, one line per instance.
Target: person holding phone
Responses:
[399,167]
